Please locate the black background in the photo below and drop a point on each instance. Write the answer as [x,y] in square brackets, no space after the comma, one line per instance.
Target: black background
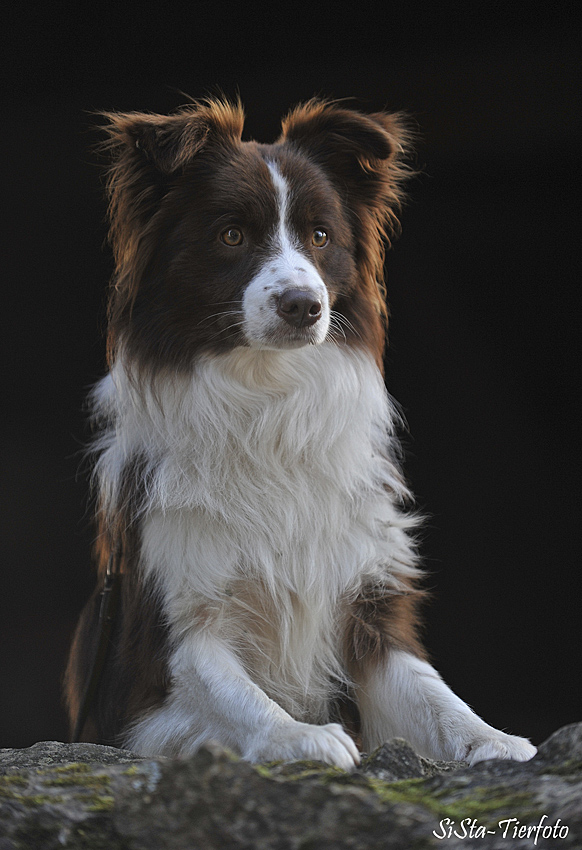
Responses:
[484,339]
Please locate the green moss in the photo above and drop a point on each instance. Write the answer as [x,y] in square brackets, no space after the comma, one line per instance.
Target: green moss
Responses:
[93,788]
[305,769]
[480,802]
[263,770]
[30,799]
[9,793]
[570,768]
[93,802]
[331,774]
[42,799]
[474,802]
[131,771]
[75,767]
[95,780]
[454,803]
[96,802]
[13,780]
[104,804]
[405,791]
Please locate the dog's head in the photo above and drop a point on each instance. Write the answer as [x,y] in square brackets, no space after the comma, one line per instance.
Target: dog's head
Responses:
[221,243]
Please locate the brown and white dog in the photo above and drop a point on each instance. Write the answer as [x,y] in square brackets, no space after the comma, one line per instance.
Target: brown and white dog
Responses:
[247,457]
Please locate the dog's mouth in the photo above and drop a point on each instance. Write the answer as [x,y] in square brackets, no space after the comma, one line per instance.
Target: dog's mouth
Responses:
[283,336]
[292,339]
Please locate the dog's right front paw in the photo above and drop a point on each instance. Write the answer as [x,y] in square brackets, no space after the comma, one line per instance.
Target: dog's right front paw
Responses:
[294,741]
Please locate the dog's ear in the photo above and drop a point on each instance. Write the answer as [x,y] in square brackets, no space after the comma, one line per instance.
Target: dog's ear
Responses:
[334,134]
[167,143]
[363,154]
[148,153]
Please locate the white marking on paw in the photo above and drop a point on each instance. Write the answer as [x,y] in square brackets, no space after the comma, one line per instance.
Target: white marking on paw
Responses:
[500,746]
[293,741]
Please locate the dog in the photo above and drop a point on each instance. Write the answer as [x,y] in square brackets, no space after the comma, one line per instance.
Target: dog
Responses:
[247,469]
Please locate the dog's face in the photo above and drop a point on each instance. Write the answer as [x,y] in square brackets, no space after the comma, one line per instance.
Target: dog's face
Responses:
[260,250]
[222,243]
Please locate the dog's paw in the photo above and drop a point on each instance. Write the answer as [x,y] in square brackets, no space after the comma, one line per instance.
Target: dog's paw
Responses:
[296,741]
[499,746]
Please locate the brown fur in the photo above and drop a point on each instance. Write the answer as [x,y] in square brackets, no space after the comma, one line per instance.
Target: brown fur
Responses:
[378,620]
[135,675]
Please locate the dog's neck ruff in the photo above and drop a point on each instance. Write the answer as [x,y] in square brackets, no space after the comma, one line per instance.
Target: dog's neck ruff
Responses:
[280,450]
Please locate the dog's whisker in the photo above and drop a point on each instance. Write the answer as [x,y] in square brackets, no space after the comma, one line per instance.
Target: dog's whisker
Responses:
[220,315]
[226,329]
[335,328]
[342,320]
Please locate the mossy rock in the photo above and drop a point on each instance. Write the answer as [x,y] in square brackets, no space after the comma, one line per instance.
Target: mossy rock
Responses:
[55,796]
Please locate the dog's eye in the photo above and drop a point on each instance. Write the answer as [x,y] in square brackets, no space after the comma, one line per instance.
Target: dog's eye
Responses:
[232,237]
[319,238]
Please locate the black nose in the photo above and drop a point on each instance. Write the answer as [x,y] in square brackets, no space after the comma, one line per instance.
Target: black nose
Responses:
[299,308]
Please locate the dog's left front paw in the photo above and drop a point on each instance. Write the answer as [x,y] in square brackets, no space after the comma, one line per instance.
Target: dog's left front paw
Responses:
[500,746]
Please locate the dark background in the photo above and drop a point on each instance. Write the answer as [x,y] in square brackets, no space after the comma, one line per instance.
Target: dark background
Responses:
[484,345]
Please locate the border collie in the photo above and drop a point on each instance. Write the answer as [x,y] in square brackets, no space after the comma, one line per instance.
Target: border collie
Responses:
[247,465]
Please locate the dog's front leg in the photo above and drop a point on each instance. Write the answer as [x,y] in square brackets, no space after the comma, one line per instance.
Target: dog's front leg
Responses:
[213,698]
[403,696]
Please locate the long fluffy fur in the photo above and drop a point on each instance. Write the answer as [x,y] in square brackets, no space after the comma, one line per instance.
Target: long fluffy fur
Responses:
[247,462]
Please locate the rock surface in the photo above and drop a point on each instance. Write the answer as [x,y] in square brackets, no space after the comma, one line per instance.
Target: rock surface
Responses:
[90,797]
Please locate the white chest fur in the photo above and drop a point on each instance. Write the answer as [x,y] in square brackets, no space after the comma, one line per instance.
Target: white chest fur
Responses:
[270,497]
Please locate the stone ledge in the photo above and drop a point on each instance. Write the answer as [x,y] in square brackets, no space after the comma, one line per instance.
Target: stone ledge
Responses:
[55,795]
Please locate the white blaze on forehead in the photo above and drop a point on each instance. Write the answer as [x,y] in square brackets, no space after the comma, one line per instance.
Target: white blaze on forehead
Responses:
[282,192]
[286,267]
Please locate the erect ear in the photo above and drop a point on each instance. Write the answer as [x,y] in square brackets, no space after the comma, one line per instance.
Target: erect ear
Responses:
[166,142]
[169,142]
[362,153]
